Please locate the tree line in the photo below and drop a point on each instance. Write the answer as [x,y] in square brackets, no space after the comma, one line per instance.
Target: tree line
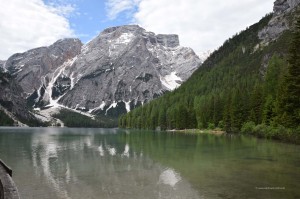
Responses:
[241,87]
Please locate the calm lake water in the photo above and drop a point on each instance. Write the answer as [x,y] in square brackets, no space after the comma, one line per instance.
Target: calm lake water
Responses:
[66,163]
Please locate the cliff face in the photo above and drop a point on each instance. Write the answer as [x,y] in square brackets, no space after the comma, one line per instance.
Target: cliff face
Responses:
[280,21]
[121,68]
[35,67]
[1,66]
[13,101]
[124,67]
[284,6]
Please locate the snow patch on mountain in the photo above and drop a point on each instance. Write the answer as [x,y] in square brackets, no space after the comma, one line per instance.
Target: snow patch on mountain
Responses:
[125,38]
[171,81]
[204,55]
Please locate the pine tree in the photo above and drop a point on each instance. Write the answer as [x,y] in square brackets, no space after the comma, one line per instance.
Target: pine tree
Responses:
[226,113]
[269,110]
[273,72]
[289,100]
[236,111]
[256,103]
[162,117]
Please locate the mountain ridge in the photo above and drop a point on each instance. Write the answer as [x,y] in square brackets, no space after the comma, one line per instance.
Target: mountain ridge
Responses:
[120,69]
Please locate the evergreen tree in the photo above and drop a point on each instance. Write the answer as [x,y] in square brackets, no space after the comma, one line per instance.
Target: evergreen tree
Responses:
[226,113]
[269,110]
[289,100]
[162,118]
[256,103]
[272,75]
[236,111]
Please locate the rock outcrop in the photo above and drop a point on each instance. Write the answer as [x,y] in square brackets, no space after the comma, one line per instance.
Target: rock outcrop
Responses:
[284,6]
[34,68]
[123,67]
[280,20]
[2,66]
[13,101]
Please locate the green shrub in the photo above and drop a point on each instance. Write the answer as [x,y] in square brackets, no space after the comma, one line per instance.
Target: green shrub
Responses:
[211,126]
[248,128]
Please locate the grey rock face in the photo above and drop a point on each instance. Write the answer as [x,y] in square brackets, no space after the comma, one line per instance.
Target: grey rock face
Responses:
[12,98]
[170,41]
[279,22]
[121,68]
[284,6]
[2,65]
[127,66]
[33,68]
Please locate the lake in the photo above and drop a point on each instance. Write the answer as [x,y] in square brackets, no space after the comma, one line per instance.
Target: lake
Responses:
[75,163]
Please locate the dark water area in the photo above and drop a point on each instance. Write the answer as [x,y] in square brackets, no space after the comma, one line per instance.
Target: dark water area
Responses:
[67,163]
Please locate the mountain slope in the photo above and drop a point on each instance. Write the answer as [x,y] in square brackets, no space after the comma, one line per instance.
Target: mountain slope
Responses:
[128,66]
[238,83]
[13,106]
[33,69]
[120,69]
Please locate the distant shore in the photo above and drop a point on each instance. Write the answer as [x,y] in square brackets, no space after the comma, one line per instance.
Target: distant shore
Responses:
[198,131]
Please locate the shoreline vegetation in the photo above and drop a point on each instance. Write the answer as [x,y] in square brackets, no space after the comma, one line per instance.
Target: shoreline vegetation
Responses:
[278,133]
[199,131]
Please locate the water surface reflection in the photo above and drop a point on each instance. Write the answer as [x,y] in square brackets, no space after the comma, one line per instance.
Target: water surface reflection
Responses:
[110,163]
[87,163]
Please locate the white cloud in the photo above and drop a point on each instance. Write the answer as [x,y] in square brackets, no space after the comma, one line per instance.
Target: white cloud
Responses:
[201,24]
[115,7]
[64,10]
[31,23]
[63,7]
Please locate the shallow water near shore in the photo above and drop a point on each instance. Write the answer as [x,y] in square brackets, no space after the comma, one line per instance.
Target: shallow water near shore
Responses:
[78,163]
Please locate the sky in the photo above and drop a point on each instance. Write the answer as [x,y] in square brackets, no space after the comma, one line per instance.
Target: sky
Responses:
[201,24]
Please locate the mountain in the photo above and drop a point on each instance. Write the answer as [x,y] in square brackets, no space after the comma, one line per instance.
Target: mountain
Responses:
[120,69]
[280,21]
[13,106]
[204,55]
[35,68]
[250,84]
[1,66]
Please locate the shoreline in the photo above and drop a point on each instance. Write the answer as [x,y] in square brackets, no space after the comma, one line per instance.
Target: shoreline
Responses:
[198,131]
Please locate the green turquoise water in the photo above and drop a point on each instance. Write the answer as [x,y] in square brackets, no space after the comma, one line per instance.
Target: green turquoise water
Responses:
[75,163]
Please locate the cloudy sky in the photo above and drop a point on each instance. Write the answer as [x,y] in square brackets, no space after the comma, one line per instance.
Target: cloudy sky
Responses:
[201,24]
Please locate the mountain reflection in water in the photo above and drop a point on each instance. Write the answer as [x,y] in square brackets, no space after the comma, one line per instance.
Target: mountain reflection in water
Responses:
[75,163]
[90,163]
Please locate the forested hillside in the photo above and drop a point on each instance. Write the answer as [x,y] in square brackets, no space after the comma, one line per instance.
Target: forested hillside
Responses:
[242,86]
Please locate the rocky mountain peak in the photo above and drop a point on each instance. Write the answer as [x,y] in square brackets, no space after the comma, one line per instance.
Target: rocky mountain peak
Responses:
[283,6]
[280,20]
[123,34]
[32,68]
[122,29]
[123,67]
